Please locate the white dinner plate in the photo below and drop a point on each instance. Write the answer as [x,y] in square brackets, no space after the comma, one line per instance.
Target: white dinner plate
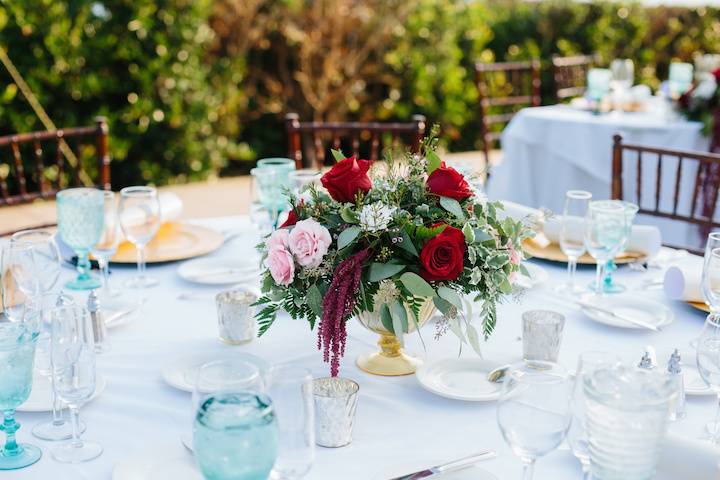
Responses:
[460,379]
[220,271]
[649,311]
[161,463]
[537,276]
[181,372]
[473,472]
[40,399]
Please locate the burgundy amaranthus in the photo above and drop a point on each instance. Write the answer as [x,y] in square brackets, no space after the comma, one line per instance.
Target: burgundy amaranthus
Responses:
[338,305]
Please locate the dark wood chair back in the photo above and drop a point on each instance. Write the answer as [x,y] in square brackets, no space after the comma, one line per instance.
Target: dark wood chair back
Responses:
[503,89]
[570,74]
[696,206]
[45,172]
[362,139]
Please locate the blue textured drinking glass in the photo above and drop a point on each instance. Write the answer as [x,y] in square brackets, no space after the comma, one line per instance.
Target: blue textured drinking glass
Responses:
[17,353]
[80,214]
[235,436]
[271,185]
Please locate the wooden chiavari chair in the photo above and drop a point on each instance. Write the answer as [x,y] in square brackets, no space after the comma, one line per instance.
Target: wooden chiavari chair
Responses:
[362,139]
[570,75]
[504,89]
[46,173]
[699,204]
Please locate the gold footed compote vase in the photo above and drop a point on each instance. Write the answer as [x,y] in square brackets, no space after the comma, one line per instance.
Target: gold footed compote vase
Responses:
[391,360]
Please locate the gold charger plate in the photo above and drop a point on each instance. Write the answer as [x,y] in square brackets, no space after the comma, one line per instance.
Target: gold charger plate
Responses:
[174,241]
[700,306]
[551,251]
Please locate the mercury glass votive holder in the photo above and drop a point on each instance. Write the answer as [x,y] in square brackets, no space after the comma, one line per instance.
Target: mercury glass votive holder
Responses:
[542,334]
[335,406]
[236,316]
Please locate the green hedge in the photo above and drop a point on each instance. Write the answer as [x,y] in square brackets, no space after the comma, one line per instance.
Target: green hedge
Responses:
[198,87]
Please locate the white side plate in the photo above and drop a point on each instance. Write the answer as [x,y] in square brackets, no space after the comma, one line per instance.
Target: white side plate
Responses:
[460,379]
[220,271]
[649,311]
[181,372]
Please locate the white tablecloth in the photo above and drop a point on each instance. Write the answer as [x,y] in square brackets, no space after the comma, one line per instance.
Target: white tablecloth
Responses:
[398,422]
[549,150]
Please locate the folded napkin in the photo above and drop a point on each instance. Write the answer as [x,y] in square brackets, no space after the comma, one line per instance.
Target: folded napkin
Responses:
[170,209]
[644,239]
[687,459]
[682,281]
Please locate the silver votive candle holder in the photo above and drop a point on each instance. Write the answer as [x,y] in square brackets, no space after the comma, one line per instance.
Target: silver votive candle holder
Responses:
[542,334]
[236,316]
[335,406]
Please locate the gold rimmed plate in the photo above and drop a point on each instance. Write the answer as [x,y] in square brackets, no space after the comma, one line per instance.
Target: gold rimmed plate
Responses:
[545,250]
[174,241]
[700,306]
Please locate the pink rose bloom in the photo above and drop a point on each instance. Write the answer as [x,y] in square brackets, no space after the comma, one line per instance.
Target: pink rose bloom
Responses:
[309,242]
[281,265]
[278,239]
[515,256]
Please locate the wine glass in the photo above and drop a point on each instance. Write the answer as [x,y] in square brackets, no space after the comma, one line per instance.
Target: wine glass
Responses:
[571,234]
[234,427]
[140,219]
[623,76]
[598,83]
[301,179]
[73,365]
[17,351]
[680,78]
[608,285]
[45,255]
[577,435]
[106,247]
[534,410]
[708,363]
[20,284]
[713,242]
[711,279]
[80,223]
[290,388]
[605,231]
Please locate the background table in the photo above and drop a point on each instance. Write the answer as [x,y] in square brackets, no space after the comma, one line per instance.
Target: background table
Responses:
[549,150]
[398,422]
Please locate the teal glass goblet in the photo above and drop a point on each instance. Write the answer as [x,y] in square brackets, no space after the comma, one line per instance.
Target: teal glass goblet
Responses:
[270,187]
[17,353]
[605,234]
[80,214]
[610,267]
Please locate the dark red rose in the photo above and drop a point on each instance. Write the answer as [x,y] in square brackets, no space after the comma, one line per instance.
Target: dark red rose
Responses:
[441,258]
[684,100]
[292,217]
[717,75]
[448,182]
[346,178]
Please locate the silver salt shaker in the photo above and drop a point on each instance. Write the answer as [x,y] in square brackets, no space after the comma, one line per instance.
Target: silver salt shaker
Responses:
[97,320]
[648,360]
[674,370]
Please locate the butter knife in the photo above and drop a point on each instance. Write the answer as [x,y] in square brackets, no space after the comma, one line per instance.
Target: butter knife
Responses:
[449,467]
[619,316]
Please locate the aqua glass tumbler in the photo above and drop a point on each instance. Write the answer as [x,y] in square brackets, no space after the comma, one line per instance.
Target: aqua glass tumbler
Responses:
[17,352]
[80,215]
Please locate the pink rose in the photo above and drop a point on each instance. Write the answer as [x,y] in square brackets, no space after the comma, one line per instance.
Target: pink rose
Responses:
[309,242]
[515,256]
[278,239]
[280,263]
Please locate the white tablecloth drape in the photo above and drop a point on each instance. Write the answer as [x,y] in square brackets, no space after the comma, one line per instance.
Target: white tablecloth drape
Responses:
[549,150]
[398,422]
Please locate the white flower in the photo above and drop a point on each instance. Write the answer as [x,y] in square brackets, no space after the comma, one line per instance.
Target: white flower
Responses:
[706,87]
[376,217]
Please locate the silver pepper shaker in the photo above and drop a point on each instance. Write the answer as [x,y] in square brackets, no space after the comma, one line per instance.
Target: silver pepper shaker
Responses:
[646,361]
[674,369]
[98,324]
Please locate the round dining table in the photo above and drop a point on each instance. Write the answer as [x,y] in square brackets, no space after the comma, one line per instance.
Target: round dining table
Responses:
[140,419]
[549,150]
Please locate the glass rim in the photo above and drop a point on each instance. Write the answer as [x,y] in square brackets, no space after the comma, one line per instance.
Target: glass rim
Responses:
[578,194]
[305,172]
[715,252]
[538,372]
[67,192]
[714,235]
[138,191]
[541,311]
[275,161]
[354,387]
[606,206]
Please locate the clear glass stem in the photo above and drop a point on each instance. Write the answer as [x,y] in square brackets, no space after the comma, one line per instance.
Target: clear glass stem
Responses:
[528,468]
[572,268]
[57,418]
[74,418]
[586,471]
[599,290]
[10,426]
[141,262]
[83,265]
[105,268]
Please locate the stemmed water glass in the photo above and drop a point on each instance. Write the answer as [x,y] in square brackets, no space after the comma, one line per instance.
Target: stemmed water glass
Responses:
[605,232]
[106,247]
[577,434]
[571,234]
[710,290]
[623,76]
[290,388]
[234,426]
[140,219]
[17,351]
[74,374]
[708,363]
[534,410]
[80,223]
[608,285]
[301,179]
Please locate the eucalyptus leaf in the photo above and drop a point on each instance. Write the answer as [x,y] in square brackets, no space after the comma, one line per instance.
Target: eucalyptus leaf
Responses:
[451,296]
[337,155]
[347,236]
[452,206]
[443,305]
[381,271]
[433,161]
[417,285]
[407,244]
[314,300]
[386,318]
[399,314]
[473,338]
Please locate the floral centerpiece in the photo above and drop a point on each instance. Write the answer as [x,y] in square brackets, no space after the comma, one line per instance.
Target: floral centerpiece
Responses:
[702,101]
[389,243]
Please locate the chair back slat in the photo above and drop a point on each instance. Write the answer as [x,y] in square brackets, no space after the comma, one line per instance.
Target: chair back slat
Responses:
[696,192]
[658,177]
[570,74]
[503,89]
[364,139]
[40,173]
[678,176]
[638,182]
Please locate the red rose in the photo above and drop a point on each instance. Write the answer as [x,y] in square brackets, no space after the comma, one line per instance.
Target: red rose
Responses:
[448,182]
[346,178]
[441,258]
[717,75]
[292,217]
